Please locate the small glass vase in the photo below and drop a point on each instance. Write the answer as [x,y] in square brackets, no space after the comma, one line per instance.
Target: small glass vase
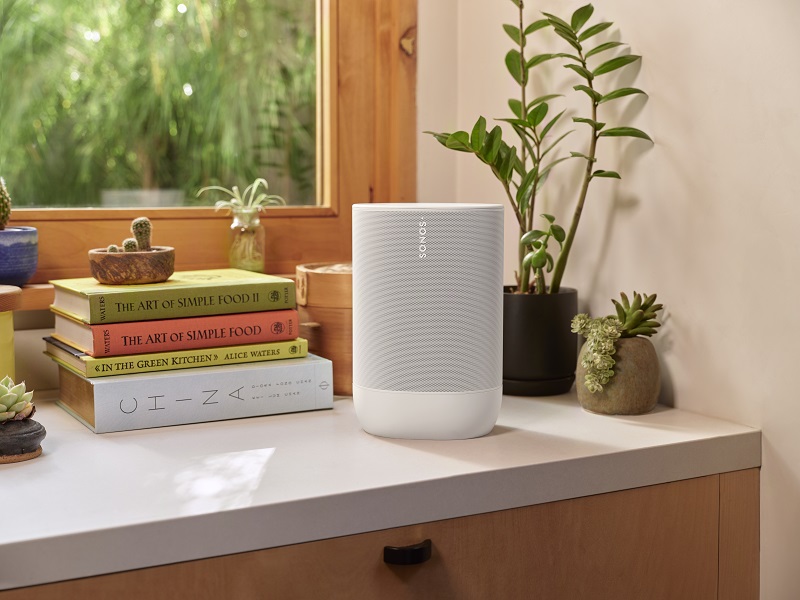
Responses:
[247,241]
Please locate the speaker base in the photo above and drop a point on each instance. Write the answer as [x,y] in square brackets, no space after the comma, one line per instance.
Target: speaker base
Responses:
[538,387]
[427,415]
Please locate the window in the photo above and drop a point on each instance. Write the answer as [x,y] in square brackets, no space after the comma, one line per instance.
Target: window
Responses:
[366,149]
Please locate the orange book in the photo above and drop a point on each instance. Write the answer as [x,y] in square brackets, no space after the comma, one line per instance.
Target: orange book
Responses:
[119,339]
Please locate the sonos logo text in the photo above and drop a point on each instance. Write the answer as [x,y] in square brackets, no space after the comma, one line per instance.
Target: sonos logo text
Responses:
[423,237]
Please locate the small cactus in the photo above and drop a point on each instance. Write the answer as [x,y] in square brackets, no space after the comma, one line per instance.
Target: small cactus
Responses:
[112,248]
[5,204]
[141,229]
[130,245]
[638,317]
[15,403]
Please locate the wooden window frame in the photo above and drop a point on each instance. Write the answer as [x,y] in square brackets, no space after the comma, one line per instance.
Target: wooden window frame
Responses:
[367,145]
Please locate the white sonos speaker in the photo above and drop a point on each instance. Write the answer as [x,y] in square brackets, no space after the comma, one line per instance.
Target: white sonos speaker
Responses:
[427,319]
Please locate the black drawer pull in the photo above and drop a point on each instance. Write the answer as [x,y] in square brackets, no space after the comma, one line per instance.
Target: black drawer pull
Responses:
[407,555]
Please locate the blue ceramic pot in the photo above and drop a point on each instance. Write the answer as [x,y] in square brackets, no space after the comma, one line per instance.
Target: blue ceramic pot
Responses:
[19,254]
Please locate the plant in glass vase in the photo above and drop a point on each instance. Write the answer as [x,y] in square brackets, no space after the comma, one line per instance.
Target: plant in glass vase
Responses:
[540,351]
[247,249]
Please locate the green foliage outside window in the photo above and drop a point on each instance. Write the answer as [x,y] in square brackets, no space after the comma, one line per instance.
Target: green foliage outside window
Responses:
[145,94]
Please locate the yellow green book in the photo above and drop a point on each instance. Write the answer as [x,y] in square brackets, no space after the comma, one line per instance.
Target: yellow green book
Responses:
[88,366]
[184,294]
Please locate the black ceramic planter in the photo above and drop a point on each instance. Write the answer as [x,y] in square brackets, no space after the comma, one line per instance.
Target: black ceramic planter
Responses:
[540,351]
[20,440]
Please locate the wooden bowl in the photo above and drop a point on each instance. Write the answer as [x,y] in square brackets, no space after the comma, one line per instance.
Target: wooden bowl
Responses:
[126,268]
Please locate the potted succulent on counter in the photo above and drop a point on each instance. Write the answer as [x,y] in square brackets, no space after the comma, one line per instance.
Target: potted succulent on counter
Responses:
[618,372]
[20,436]
[19,246]
[539,349]
[247,239]
[136,261]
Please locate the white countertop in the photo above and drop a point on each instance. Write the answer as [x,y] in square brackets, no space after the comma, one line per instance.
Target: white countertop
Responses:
[94,504]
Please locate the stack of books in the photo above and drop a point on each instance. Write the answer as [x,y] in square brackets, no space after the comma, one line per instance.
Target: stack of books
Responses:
[203,346]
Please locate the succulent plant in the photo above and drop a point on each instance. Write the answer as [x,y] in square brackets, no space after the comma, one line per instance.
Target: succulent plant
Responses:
[112,248]
[5,204]
[141,228]
[15,402]
[637,318]
[130,245]
[241,200]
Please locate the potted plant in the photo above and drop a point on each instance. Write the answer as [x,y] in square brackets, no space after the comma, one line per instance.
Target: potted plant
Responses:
[20,436]
[539,349]
[137,261]
[247,239]
[19,246]
[618,372]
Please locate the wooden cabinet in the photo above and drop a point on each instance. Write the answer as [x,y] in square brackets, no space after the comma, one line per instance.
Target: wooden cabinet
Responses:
[692,539]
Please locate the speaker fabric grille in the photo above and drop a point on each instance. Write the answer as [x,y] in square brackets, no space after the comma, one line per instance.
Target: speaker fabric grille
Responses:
[431,324]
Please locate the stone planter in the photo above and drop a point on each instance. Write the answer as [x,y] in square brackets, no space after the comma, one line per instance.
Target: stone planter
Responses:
[539,348]
[636,383]
[19,255]
[119,268]
[20,440]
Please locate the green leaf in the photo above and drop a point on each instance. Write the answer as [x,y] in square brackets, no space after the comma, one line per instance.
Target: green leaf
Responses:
[550,124]
[507,166]
[524,134]
[538,59]
[478,134]
[514,34]
[593,94]
[492,145]
[531,236]
[593,30]
[549,218]
[516,107]
[538,258]
[580,71]
[459,141]
[625,132]
[439,137]
[580,155]
[580,16]
[620,93]
[569,37]
[553,145]
[549,262]
[601,173]
[595,124]
[603,48]
[555,20]
[516,69]
[558,233]
[538,114]
[517,3]
[520,122]
[541,99]
[524,189]
[615,63]
[577,59]
[536,26]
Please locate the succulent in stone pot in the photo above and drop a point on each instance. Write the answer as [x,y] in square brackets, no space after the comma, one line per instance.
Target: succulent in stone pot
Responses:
[20,436]
[135,261]
[618,371]
[19,246]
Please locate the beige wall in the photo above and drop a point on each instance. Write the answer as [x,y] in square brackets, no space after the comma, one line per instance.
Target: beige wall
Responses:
[708,217]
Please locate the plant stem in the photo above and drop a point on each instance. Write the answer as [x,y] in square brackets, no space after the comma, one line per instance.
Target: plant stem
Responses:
[561,262]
